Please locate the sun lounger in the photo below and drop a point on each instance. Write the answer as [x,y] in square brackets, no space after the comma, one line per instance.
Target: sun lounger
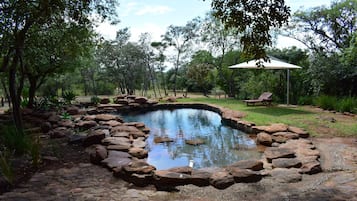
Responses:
[264,99]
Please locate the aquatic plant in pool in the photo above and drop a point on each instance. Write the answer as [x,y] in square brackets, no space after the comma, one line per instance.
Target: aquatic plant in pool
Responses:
[222,146]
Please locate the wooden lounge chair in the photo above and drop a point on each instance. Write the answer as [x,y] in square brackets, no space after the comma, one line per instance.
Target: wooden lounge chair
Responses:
[264,99]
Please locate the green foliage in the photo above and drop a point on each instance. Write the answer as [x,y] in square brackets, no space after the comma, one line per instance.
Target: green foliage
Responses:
[305,100]
[348,104]
[95,100]
[65,115]
[254,19]
[326,102]
[35,151]
[6,166]
[68,96]
[48,103]
[14,140]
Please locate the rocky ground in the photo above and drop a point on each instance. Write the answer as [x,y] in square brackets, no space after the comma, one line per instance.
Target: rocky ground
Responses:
[67,174]
[84,181]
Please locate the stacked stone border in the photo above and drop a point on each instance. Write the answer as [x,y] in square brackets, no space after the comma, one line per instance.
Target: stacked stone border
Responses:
[120,146]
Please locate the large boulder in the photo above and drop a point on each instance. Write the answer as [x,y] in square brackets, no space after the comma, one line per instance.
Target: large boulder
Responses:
[264,139]
[221,179]
[98,154]
[104,101]
[255,165]
[277,152]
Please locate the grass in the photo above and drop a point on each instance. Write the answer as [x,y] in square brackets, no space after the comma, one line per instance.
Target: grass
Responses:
[314,121]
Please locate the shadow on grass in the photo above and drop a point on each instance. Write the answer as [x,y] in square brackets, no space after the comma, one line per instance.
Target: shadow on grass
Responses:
[277,111]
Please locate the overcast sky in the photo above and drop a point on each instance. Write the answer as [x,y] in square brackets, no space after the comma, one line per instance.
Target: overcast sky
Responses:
[154,16]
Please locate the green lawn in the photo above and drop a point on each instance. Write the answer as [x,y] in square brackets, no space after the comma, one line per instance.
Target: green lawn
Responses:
[316,122]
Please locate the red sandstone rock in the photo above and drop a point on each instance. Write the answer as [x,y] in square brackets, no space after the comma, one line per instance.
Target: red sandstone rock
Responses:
[264,139]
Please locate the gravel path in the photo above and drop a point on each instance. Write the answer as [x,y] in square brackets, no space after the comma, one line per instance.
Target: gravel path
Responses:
[90,182]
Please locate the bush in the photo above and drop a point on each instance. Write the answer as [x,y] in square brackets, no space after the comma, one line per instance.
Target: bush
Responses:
[5,165]
[305,100]
[68,96]
[95,100]
[326,102]
[14,140]
[347,105]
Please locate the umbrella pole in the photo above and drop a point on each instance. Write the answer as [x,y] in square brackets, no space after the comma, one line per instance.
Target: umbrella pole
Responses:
[287,86]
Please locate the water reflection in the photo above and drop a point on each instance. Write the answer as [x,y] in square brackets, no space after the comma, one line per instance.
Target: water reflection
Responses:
[223,145]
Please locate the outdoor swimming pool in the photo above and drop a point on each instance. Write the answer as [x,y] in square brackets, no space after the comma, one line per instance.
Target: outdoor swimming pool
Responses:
[222,146]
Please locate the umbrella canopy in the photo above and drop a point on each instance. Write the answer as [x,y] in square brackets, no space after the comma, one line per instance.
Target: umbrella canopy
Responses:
[273,63]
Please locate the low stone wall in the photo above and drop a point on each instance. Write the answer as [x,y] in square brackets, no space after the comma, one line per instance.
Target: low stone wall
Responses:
[120,147]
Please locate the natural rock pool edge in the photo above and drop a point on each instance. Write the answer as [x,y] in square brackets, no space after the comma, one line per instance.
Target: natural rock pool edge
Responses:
[120,147]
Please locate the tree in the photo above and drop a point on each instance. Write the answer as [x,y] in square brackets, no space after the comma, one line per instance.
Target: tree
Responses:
[18,17]
[180,37]
[253,19]
[220,40]
[329,33]
[160,59]
[326,29]
[199,70]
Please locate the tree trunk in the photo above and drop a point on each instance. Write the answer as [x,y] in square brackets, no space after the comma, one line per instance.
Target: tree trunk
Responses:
[15,98]
[32,91]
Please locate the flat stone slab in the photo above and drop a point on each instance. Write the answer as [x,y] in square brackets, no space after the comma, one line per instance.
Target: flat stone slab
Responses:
[255,165]
[139,167]
[167,178]
[162,139]
[284,175]
[140,143]
[221,180]
[195,142]
[116,162]
[286,163]
[124,129]
[277,152]
[116,141]
[244,175]
[119,147]
[272,128]
[282,137]
[302,133]
[106,117]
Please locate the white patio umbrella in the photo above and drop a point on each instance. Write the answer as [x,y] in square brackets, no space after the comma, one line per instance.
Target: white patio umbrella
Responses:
[274,64]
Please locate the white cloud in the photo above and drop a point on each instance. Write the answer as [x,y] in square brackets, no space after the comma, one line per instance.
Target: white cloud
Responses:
[107,30]
[154,30]
[156,10]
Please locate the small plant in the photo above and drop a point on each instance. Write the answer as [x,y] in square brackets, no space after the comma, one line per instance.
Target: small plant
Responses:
[95,100]
[24,102]
[65,115]
[6,166]
[35,151]
[68,96]
[15,140]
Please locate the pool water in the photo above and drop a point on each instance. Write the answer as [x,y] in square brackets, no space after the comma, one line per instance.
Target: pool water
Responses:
[223,144]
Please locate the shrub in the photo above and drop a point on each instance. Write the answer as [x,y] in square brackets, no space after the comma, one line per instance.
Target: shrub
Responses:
[14,140]
[305,100]
[326,102]
[5,165]
[68,96]
[348,104]
[35,151]
[95,100]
